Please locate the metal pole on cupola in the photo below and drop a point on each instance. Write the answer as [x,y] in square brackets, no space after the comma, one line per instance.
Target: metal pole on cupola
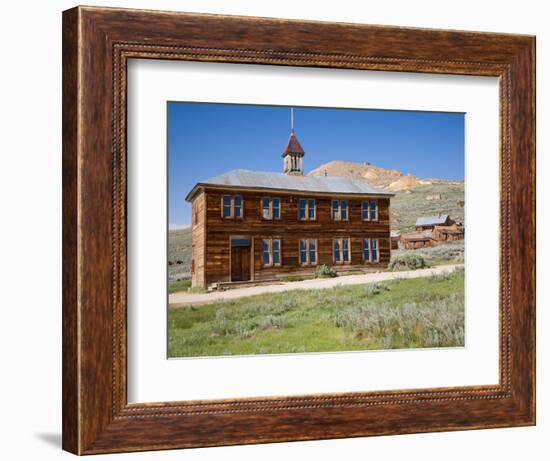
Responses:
[293,153]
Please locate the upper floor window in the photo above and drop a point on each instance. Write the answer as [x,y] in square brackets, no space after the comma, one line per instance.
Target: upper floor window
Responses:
[271,208]
[232,206]
[341,251]
[307,209]
[308,251]
[370,250]
[369,210]
[271,252]
[340,210]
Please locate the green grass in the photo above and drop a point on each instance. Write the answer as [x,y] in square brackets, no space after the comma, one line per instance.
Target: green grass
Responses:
[412,313]
[293,278]
[179,285]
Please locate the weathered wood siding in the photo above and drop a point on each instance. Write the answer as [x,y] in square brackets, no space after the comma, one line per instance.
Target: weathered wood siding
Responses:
[289,230]
[198,233]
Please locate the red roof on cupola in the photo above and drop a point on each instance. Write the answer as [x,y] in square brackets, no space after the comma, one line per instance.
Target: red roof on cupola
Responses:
[293,146]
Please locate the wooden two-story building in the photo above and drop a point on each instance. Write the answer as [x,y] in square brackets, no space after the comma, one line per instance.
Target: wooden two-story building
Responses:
[251,225]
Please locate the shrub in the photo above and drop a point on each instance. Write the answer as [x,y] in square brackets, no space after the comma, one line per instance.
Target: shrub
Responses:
[437,323]
[323,272]
[375,288]
[272,321]
[407,262]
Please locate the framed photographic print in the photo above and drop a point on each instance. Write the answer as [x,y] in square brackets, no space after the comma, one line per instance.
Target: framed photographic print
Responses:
[284,230]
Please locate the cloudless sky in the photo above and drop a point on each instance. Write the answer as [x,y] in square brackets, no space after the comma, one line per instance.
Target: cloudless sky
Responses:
[206,140]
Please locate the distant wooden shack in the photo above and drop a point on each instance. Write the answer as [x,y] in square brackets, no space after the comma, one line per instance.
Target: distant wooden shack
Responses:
[431,231]
[429,222]
[446,233]
[417,240]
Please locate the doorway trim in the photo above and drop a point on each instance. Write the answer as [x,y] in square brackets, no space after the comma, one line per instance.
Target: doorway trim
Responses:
[250,246]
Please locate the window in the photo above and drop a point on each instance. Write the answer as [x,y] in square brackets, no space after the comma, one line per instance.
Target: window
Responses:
[337,253]
[374,249]
[306,209]
[335,210]
[232,206]
[303,251]
[302,209]
[237,206]
[271,252]
[373,210]
[313,251]
[366,250]
[344,208]
[340,210]
[370,250]
[345,250]
[265,252]
[341,251]
[308,252]
[276,205]
[271,208]
[369,210]
[276,252]
[311,209]
[227,206]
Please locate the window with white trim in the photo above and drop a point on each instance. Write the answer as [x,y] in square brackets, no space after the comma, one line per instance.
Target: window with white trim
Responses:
[341,249]
[232,206]
[370,251]
[308,252]
[307,209]
[271,252]
[271,208]
[340,210]
[369,210]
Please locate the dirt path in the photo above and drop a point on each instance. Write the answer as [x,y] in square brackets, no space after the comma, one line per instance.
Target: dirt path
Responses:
[186,299]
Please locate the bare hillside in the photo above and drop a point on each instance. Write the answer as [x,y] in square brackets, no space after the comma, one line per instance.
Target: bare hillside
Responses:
[392,180]
[414,196]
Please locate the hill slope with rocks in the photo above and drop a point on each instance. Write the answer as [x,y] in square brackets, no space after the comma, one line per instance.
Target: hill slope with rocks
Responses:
[414,196]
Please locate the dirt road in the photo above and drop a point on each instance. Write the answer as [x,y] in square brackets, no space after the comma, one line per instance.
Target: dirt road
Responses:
[186,299]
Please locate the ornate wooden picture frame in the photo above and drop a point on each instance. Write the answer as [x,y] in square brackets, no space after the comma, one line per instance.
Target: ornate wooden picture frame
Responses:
[97,44]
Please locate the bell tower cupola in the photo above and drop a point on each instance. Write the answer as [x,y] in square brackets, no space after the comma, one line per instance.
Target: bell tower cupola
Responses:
[293,155]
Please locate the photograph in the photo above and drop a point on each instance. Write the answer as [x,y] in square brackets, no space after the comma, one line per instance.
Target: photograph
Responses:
[313,229]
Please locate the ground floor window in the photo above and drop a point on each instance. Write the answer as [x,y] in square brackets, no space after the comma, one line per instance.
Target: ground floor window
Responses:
[370,250]
[341,251]
[308,251]
[271,252]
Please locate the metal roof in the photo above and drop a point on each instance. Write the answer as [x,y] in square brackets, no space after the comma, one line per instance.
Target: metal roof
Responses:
[432,220]
[280,181]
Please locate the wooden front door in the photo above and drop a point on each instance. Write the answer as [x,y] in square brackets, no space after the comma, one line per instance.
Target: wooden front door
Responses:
[240,263]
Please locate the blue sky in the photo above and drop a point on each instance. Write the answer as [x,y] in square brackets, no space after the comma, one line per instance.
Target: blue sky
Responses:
[206,140]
